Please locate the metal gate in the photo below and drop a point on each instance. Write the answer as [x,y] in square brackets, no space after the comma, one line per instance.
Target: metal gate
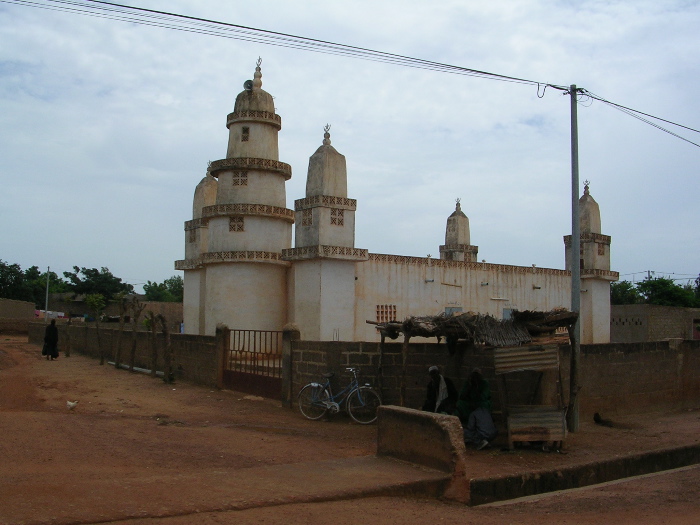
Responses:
[253,362]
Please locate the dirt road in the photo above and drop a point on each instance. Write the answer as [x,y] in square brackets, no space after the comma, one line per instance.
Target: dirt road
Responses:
[132,439]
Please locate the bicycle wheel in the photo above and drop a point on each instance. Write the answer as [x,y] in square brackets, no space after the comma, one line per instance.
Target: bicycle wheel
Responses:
[313,401]
[362,405]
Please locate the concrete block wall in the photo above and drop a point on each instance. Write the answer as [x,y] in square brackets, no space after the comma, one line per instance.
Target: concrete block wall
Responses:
[13,309]
[630,378]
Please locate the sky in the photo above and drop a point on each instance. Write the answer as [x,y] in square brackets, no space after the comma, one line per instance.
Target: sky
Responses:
[106,127]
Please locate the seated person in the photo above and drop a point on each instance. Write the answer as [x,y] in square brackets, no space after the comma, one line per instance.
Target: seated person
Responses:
[442,394]
[474,411]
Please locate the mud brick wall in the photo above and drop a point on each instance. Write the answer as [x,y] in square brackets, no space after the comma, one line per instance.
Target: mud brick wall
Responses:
[195,358]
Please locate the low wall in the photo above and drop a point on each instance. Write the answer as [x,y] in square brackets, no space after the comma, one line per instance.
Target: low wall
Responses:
[616,379]
[15,326]
[195,358]
[432,440]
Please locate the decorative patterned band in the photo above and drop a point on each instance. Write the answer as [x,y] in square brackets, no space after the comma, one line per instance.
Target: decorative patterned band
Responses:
[196,223]
[223,257]
[253,115]
[264,210]
[443,263]
[589,237]
[322,251]
[249,163]
[325,200]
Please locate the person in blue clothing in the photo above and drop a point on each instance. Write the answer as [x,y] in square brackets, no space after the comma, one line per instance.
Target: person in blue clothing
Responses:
[474,411]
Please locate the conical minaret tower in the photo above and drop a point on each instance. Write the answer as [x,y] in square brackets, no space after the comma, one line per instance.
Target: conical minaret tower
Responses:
[594,261]
[322,287]
[457,245]
[236,275]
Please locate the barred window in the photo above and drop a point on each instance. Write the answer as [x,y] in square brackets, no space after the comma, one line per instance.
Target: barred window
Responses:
[240,178]
[386,313]
[236,224]
[245,134]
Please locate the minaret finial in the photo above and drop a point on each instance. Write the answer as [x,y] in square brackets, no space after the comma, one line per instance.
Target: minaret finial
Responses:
[326,135]
[257,82]
[586,184]
[458,207]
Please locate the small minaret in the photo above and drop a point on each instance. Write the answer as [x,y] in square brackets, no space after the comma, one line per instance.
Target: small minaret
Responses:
[594,261]
[322,300]
[457,245]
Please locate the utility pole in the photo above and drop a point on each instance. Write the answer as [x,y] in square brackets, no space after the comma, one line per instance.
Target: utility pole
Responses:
[575,269]
[46,302]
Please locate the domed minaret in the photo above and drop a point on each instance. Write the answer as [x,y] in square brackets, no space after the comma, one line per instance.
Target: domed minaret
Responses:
[322,291]
[238,278]
[457,247]
[594,261]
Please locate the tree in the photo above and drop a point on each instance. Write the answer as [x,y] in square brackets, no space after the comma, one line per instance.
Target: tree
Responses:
[96,303]
[665,292]
[170,290]
[12,282]
[95,281]
[624,292]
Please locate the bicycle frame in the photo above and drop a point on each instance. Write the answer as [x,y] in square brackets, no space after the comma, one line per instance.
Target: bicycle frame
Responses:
[337,399]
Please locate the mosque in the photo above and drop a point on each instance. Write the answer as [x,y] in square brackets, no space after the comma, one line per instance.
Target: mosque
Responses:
[241,270]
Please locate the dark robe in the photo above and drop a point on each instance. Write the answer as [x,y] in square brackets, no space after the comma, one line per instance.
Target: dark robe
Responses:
[51,341]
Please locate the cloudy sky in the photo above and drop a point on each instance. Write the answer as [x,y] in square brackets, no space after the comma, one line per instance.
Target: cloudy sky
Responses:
[106,127]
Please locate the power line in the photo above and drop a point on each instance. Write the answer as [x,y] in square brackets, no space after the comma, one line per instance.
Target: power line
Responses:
[191,24]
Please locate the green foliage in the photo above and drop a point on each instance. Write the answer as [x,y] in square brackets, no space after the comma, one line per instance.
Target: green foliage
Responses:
[28,285]
[96,303]
[170,290]
[665,292]
[86,281]
[624,292]
[656,290]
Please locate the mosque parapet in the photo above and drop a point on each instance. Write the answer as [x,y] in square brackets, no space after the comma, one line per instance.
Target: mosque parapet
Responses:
[254,115]
[344,253]
[251,164]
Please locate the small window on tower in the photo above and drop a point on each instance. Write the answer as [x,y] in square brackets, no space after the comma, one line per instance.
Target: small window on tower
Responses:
[236,224]
[245,134]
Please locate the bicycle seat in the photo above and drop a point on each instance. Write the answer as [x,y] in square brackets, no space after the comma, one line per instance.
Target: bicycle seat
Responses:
[328,375]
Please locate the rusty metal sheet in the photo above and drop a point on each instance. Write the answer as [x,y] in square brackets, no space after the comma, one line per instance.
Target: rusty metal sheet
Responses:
[518,358]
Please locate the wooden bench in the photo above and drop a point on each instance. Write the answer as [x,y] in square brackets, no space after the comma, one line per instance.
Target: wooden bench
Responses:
[545,423]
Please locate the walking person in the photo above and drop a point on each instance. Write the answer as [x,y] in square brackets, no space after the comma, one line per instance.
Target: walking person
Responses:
[51,341]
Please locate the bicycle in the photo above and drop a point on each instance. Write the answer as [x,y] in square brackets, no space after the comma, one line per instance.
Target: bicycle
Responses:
[361,401]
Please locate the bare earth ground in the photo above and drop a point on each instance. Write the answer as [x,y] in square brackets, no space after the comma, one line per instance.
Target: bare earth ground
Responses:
[131,430]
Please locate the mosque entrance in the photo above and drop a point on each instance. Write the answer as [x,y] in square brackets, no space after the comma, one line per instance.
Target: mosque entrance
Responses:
[253,362]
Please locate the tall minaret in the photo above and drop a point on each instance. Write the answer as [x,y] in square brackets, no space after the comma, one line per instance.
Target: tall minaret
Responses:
[594,261]
[322,283]
[241,275]
[457,247]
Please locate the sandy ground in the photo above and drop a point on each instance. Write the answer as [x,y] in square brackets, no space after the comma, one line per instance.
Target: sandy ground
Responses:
[127,428]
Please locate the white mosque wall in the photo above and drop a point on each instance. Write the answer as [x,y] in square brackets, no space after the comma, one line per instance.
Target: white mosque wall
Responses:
[248,296]
[323,299]
[262,142]
[595,311]
[193,287]
[259,188]
[260,234]
[418,286]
